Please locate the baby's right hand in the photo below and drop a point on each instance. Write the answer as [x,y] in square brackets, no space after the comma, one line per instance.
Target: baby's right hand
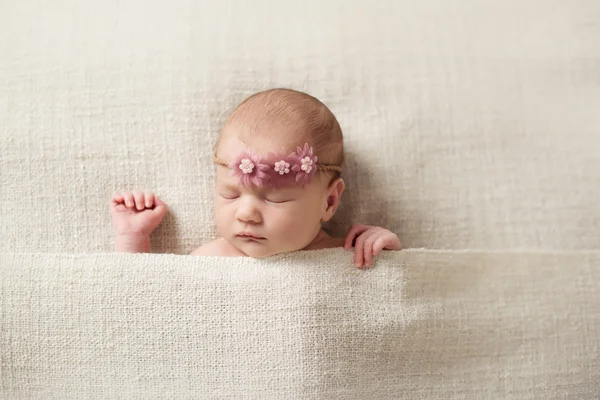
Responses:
[136,213]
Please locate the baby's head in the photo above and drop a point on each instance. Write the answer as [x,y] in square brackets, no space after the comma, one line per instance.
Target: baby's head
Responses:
[268,183]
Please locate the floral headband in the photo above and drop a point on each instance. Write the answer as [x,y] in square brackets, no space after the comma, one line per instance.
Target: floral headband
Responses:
[299,167]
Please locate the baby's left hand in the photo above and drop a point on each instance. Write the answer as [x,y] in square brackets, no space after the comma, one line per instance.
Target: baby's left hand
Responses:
[370,241]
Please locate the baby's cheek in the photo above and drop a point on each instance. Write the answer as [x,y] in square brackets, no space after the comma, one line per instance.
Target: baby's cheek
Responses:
[223,219]
[296,227]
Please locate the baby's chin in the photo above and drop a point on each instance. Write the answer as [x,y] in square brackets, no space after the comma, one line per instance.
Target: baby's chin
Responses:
[259,249]
[258,253]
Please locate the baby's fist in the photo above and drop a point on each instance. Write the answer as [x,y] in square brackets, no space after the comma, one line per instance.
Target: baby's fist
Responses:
[370,241]
[136,212]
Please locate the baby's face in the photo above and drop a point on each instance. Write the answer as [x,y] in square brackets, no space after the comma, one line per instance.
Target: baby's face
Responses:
[282,219]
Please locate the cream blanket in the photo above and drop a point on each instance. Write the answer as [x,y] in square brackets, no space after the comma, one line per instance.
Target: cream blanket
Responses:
[468,124]
[420,325]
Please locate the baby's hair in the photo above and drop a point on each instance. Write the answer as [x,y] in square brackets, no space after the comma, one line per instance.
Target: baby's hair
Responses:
[303,116]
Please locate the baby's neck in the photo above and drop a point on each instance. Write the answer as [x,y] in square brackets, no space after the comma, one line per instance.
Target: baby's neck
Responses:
[324,241]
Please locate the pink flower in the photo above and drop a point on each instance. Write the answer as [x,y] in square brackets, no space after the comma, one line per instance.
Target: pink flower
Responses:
[305,165]
[250,171]
[246,166]
[282,167]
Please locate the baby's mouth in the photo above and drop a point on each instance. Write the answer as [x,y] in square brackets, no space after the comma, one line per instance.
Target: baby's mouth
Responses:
[246,235]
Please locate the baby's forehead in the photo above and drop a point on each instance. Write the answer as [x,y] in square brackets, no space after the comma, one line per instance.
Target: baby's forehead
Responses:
[263,143]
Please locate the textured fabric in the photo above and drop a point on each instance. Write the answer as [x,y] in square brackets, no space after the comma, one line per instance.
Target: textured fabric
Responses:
[420,325]
[468,124]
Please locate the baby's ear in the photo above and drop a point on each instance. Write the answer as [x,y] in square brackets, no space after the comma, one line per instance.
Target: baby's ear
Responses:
[334,195]
[335,190]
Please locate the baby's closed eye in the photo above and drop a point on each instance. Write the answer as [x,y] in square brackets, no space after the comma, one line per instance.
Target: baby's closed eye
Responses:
[277,199]
[278,196]
[229,195]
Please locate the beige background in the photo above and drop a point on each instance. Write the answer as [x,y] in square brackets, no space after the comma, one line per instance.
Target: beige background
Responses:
[469,124]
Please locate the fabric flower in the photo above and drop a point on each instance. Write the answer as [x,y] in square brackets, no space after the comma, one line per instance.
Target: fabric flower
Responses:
[306,166]
[281,168]
[249,170]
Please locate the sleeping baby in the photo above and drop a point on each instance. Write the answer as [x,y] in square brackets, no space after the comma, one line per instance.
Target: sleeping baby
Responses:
[278,164]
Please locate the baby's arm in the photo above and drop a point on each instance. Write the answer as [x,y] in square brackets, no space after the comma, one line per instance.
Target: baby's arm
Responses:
[130,243]
[134,216]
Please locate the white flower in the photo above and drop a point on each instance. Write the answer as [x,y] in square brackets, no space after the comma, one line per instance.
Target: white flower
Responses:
[307,164]
[246,166]
[282,167]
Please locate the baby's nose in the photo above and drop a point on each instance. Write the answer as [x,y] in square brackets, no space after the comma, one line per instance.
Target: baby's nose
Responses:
[248,212]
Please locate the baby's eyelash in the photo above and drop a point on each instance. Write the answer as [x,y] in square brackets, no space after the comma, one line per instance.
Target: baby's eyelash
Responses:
[269,199]
[278,201]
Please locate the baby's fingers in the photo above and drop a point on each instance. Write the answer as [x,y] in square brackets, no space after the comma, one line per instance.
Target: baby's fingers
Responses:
[387,241]
[139,200]
[359,247]
[128,197]
[369,248]
[149,199]
[160,206]
[116,199]
[355,230]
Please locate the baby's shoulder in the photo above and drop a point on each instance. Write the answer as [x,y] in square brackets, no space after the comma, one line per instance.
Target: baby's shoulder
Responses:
[217,247]
[328,243]
[335,242]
